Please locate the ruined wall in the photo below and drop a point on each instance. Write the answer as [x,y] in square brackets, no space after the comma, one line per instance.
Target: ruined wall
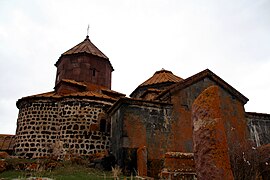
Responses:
[74,124]
[259,128]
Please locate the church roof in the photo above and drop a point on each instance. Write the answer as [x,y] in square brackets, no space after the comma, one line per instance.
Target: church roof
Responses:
[198,77]
[54,95]
[86,47]
[162,76]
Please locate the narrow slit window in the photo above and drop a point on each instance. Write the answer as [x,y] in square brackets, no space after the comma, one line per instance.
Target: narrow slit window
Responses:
[102,126]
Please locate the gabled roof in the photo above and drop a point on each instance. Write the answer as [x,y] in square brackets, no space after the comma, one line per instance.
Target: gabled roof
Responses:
[162,76]
[200,76]
[86,47]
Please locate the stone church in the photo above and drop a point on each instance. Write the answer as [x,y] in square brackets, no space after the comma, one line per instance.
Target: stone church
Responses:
[154,130]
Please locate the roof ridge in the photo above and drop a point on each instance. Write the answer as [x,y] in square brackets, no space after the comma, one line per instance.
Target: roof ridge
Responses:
[198,77]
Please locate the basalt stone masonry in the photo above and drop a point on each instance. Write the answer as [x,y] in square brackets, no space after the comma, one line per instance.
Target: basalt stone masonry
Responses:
[79,124]
[71,119]
[150,132]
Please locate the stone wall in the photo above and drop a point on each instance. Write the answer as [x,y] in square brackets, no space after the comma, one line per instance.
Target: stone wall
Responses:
[178,165]
[259,128]
[84,68]
[69,124]
[138,124]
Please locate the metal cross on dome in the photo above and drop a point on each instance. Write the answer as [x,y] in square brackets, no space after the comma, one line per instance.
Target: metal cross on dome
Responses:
[88,30]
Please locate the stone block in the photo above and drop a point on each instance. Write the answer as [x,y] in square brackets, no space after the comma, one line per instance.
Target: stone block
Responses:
[209,136]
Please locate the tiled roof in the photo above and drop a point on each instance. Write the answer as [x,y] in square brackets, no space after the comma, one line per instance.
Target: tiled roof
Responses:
[74,82]
[53,94]
[162,76]
[109,91]
[86,47]
[85,94]
[90,94]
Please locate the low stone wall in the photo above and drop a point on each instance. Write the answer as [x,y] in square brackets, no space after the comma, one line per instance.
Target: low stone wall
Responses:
[71,125]
[178,165]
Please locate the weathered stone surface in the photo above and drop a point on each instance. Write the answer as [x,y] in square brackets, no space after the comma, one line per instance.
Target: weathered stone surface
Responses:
[4,155]
[42,125]
[209,136]
[142,161]
[259,127]
[178,165]
[137,124]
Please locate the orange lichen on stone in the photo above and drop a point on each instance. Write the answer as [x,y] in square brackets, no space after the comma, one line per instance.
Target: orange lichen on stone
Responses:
[178,165]
[142,161]
[4,155]
[209,136]
[136,131]
[180,162]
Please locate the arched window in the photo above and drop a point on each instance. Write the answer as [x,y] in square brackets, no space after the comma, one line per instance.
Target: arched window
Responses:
[102,125]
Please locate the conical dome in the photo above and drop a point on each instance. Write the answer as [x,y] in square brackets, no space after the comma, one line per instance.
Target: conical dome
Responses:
[86,47]
[159,81]
[162,76]
[85,63]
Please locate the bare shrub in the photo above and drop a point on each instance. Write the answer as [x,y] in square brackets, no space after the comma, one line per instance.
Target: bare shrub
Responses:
[245,163]
[116,171]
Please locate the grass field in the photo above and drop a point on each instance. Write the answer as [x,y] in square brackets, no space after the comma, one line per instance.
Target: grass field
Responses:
[67,172]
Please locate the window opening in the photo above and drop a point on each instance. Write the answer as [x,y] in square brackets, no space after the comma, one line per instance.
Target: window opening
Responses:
[102,126]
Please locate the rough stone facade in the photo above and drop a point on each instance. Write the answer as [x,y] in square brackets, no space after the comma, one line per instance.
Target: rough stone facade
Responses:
[71,120]
[7,143]
[171,130]
[259,128]
[178,165]
[79,124]
[209,136]
[138,124]
[145,132]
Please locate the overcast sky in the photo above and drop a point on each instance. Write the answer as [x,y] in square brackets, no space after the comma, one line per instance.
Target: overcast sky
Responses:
[230,37]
